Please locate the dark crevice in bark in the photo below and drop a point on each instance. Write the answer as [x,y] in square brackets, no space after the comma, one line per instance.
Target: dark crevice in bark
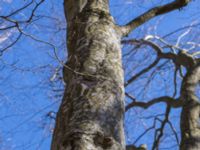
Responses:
[92,110]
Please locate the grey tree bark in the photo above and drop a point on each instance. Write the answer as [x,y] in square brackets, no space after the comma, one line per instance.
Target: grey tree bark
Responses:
[190,117]
[91,114]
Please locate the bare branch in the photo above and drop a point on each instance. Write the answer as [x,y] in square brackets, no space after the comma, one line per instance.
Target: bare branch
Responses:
[180,29]
[10,45]
[161,129]
[175,78]
[142,72]
[130,96]
[8,27]
[175,103]
[34,10]
[156,48]
[156,11]
[20,9]
[182,58]
[174,132]
[145,132]
[17,22]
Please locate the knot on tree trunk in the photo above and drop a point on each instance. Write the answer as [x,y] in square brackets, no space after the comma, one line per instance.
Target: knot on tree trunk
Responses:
[103,141]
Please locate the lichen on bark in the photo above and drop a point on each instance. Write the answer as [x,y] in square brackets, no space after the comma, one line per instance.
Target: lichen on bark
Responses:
[92,110]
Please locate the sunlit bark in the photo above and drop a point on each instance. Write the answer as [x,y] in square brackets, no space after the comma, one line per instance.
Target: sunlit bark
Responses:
[190,117]
[91,114]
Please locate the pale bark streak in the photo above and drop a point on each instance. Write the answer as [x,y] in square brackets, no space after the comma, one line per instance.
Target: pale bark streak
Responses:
[92,110]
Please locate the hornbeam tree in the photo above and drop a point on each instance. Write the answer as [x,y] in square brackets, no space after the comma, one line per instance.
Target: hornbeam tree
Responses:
[92,109]
[91,114]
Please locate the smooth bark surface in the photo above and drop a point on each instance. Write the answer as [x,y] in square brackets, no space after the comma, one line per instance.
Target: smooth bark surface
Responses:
[190,117]
[91,114]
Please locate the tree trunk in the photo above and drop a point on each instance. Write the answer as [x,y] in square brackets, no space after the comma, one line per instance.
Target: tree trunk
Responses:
[190,117]
[92,110]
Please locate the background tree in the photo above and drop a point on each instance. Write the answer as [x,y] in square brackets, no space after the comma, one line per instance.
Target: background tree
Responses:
[167,49]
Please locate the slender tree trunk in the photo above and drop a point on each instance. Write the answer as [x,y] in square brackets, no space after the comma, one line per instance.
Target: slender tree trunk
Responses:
[91,113]
[190,117]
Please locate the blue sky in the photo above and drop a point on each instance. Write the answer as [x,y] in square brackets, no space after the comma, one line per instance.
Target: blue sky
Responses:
[30,87]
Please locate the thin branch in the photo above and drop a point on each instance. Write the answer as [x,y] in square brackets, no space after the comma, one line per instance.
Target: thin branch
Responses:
[130,96]
[17,23]
[7,18]
[10,45]
[147,130]
[156,11]
[31,117]
[143,41]
[172,47]
[8,27]
[57,57]
[182,58]
[33,11]
[174,131]
[180,29]
[161,129]
[139,42]
[142,72]
[20,9]
[175,78]
[175,103]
